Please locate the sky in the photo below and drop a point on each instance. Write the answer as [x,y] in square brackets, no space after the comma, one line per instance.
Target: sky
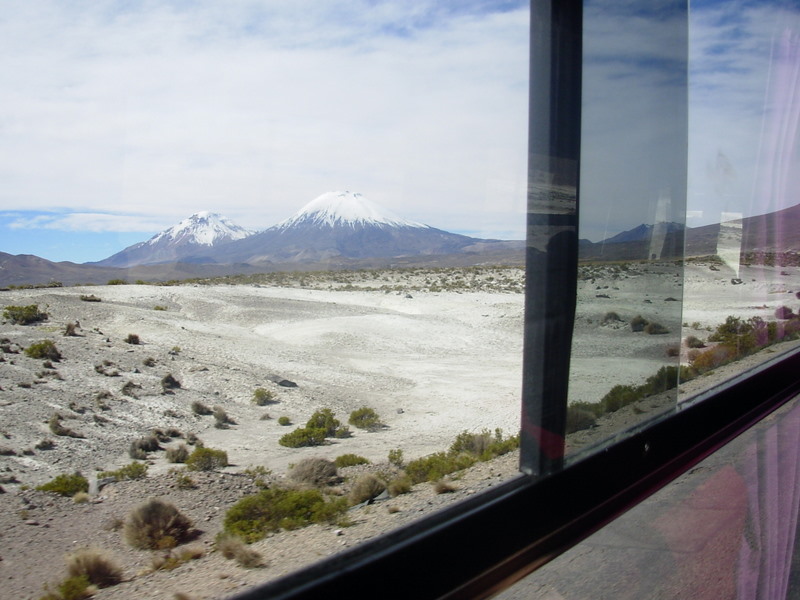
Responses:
[120,119]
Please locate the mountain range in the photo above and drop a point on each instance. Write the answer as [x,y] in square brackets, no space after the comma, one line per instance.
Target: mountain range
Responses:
[333,226]
[344,230]
[334,231]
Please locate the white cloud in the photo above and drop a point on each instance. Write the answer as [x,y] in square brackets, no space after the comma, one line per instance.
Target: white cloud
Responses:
[82,221]
[254,108]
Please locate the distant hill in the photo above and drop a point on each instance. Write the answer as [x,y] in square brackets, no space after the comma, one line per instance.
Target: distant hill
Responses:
[191,240]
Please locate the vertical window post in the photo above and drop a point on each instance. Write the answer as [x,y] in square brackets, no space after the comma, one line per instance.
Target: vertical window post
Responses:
[552,228]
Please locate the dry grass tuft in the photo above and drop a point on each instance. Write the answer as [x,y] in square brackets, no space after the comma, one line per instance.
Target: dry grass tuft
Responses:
[98,569]
[156,525]
[366,488]
[234,548]
[444,487]
[315,472]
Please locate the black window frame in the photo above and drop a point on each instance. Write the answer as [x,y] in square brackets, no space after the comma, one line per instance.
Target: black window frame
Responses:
[484,544]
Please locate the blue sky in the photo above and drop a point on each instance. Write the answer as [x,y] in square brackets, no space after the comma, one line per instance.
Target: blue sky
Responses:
[120,119]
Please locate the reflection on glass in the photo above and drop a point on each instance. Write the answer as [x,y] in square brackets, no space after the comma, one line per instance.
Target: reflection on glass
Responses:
[632,205]
[741,244]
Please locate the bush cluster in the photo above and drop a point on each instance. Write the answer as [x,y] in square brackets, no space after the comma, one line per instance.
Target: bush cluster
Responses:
[467,449]
[135,470]
[272,509]
[322,424]
[46,349]
[24,315]
[66,485]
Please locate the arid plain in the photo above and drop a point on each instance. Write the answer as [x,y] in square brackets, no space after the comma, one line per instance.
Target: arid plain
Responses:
[433,351]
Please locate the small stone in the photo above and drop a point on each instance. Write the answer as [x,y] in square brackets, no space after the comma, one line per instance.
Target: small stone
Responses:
[338,532]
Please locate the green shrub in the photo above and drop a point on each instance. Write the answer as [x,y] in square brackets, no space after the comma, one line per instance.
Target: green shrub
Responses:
[366,488]
[98,569]
[619,396]
[207,459]
[159,307]
[90,298]
[24,315]
[263,397]
[284,421]
[303,436]
[326,420]
[272,509]
[350,460]
[74,588]
[117,282]
[638,323]
[46,349]
[435,466]
[156,525]
[396,457]
[135,470]
[66,485]
[365,418]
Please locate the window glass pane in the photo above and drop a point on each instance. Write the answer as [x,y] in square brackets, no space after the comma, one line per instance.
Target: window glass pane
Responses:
[742,276]
[625,351]
[120,121]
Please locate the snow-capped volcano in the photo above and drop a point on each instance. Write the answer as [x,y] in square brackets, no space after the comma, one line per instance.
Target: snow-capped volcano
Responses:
[345,208]
[336,227]
[191,240]
[203,228]
[342,225]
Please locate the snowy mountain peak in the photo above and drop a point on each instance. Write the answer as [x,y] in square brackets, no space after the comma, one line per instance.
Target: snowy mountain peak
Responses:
[203,228]
[346,208]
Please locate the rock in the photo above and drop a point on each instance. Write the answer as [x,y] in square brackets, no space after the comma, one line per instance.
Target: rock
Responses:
[281,381]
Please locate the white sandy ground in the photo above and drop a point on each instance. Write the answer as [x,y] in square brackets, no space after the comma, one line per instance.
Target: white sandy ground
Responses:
[432,365]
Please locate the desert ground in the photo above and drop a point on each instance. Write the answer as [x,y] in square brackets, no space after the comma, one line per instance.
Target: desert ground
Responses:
[434,352]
